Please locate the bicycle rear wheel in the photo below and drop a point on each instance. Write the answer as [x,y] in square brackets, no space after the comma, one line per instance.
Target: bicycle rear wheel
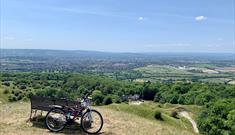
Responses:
[91,122]
[55,120]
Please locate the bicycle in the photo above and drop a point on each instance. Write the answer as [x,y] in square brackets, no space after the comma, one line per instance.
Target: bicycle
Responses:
[91,120]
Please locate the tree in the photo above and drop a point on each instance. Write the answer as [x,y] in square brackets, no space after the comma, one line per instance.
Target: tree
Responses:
[149,92]
[97,97]
[217,118]
[203,98]
[231,121]
[107,100]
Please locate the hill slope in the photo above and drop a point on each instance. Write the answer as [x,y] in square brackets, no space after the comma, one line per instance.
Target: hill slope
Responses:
[14,116]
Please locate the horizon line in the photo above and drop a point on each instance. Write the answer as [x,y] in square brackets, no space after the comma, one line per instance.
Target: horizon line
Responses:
[147,52]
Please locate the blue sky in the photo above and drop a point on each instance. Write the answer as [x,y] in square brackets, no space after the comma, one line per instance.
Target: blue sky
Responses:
[119,25]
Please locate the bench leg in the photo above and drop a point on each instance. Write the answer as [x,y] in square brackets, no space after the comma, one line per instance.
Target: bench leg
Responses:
[30,116]
[35,112]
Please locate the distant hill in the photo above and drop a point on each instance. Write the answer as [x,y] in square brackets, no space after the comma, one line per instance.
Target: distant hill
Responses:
[112,55]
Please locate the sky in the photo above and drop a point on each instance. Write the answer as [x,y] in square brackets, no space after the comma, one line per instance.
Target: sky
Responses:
[119,25]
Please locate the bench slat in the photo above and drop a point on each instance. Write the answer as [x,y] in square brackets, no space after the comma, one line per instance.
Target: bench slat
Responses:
[45,103]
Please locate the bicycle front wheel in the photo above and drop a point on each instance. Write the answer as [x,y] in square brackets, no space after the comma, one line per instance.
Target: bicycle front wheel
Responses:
[55,120]
[91,122]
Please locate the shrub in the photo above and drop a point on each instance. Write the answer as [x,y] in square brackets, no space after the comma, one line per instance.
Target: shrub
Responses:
[174,114]
[16,93]
[97,97]
[41,92]
[22,87]
[13,91]
[12,98]
[25,99]
[19,97]
[157,97]
[29,94]
[6,91]
[148,93]
[6,83]
[61,94]
[107,100]
[116,99]
[158,115]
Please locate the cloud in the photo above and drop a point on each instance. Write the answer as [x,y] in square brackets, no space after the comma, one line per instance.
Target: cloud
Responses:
[141,18]
[82,11]
[200,18]
[90,12]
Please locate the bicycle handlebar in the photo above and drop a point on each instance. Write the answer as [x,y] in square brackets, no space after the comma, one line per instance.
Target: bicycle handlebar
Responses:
[87,94]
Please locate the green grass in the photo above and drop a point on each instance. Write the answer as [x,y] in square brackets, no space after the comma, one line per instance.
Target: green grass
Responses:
[3,97]
[147,110]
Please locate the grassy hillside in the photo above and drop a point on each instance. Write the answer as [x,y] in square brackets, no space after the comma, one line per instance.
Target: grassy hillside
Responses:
[118,120]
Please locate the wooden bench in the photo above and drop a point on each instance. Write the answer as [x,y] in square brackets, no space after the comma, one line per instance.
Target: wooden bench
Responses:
[46,104]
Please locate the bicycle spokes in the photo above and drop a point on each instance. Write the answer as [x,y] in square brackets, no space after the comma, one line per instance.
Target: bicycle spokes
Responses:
[92,121]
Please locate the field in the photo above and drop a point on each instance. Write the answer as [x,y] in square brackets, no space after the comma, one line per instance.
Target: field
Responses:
[119,119]
[227,69]
[203,73]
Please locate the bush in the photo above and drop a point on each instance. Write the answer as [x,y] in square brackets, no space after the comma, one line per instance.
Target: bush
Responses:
[157,97]
[116,99]
[174,114]
[29,94]
[61,94]
[19,97]
[22,87]
[158,115]
[107,100]
[13,91]
[6,91]
[97,97]
[12,98]
[6,83]
[17,93]
[25,99]
[148,93]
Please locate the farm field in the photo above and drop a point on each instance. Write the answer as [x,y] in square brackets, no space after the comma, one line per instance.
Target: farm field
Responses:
[171,73]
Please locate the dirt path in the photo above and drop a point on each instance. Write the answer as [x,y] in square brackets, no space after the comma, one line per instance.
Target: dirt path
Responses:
[187,116]
[136,102]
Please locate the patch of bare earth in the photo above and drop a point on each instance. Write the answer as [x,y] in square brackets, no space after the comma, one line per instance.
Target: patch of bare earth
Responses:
[187,116]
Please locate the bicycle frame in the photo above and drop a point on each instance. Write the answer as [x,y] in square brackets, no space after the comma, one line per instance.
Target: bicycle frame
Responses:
[85,105]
